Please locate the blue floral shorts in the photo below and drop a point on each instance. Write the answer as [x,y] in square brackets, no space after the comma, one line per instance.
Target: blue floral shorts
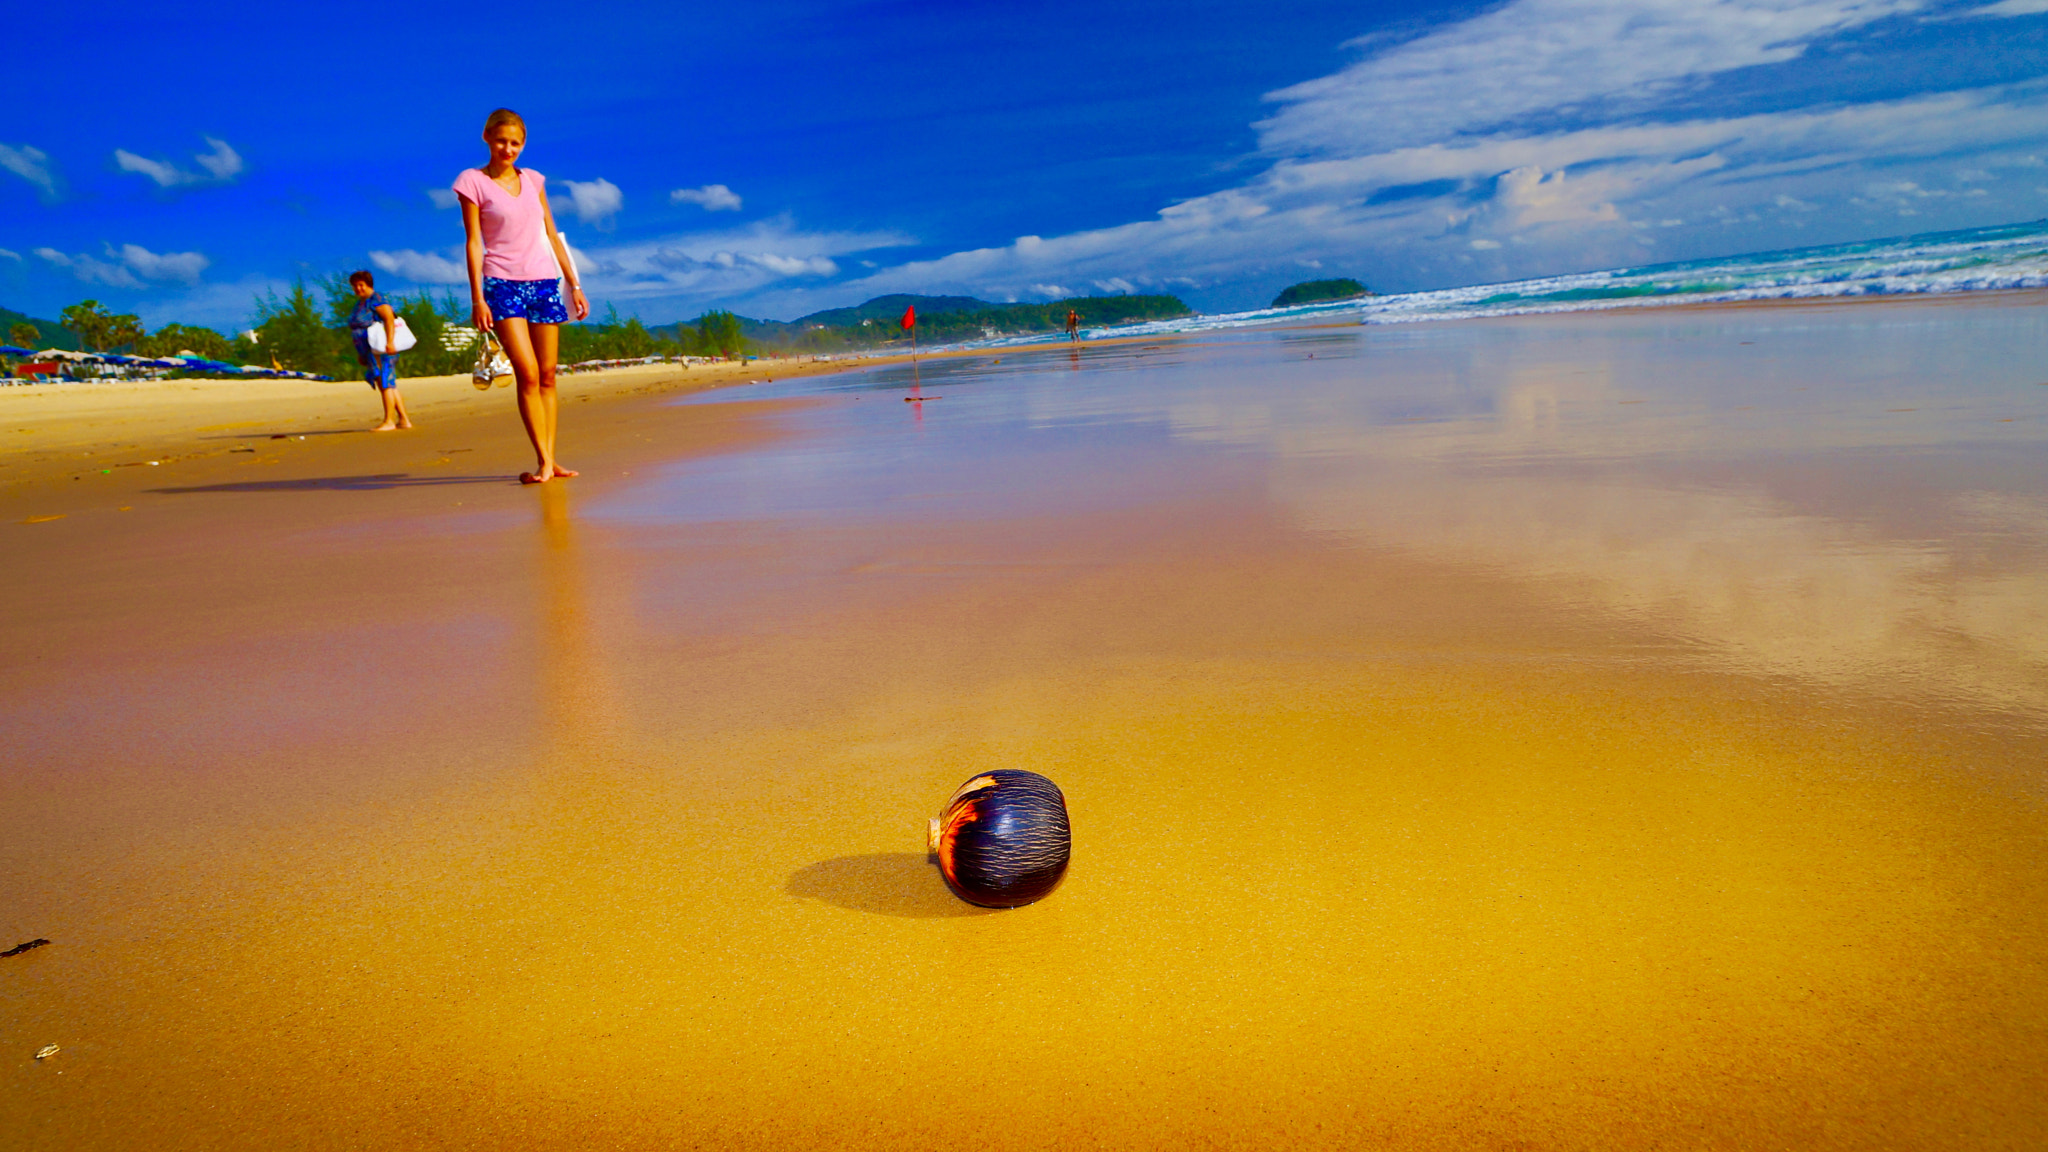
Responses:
[382,370]
[534,301]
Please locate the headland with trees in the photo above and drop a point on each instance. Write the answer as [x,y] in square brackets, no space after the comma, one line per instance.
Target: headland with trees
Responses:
[1319,292]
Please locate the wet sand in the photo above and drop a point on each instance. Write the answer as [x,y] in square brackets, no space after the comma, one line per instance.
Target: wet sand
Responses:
[61,435]
[1590,731]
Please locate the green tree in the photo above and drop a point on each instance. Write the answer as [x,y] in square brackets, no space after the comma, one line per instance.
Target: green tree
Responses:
[431,321]
[290,332]
[1318,291]
[25,335]
[123,328]
[86,320]
[718,334]
[99,329]
[341,297]
[172,339]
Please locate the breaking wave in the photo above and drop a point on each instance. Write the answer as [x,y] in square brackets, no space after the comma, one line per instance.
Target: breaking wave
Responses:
[1978,259]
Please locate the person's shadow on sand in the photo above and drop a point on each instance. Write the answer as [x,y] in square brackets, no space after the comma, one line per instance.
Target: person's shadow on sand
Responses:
[885,883]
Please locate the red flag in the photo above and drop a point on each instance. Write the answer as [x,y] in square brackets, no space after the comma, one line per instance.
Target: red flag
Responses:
[910,318]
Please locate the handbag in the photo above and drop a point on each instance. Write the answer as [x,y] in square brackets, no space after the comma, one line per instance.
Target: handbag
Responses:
[404,336]
[491,364]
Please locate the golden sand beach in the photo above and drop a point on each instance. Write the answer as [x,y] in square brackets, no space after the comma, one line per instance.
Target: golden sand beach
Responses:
[1600,731]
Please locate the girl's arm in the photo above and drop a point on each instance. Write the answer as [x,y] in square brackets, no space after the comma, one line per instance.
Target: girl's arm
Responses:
[390,319]
[473,227]
[578,306]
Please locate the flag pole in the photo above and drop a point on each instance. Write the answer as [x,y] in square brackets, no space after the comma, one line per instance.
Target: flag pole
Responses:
[910,322]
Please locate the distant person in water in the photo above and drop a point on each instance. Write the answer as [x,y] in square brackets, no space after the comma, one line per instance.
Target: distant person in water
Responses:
[516,264]
[1073,325]
[379,368]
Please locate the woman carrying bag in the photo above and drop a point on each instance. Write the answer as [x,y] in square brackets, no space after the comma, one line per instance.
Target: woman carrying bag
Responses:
[379,357]
[516,264]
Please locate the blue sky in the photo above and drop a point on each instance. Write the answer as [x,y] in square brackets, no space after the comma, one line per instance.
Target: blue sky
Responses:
[785,158]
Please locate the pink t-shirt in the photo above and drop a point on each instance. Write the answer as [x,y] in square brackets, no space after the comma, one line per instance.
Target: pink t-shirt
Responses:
[515,234]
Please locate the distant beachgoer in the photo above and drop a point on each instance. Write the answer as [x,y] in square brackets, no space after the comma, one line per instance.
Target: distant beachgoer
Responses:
[516,264]
[1073,325]
[379,368]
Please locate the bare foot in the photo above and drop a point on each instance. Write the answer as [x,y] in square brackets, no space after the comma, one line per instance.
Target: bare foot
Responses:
[405,423]
[532,478]
[385,428]
[561,472]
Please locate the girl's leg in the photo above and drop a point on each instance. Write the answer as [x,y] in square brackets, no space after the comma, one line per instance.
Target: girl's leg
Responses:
[513,335]
[546,343]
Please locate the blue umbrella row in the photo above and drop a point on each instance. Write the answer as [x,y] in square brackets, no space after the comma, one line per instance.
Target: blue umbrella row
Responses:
[175,363]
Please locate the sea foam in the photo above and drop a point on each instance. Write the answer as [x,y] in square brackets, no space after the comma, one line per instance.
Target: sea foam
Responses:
[1978,259]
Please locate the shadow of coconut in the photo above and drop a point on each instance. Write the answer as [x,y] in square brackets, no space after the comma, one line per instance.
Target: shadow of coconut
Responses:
[885,883]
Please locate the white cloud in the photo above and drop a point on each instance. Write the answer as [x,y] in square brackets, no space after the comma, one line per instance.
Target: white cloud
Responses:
[1537,55]
[10,253]
[420,267]
[1535,137]
[1554,201]
[129,265]
[32,165]
[443,197]
[725,264]
[2012,8]
[711,198]
[221,164]
[785,265]
[595,202]
[166,175]
[181,266]
[90,270]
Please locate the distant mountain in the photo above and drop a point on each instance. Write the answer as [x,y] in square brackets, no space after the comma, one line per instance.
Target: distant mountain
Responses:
[54,334]
[939,319]
[891,308]
[1319,291]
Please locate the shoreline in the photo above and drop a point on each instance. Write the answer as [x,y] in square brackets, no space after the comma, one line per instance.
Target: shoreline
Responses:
[62,442]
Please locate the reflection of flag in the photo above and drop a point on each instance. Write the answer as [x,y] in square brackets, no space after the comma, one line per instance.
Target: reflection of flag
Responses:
[910,317]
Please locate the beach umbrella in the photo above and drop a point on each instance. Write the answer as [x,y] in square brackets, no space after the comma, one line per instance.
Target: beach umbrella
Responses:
[11,350]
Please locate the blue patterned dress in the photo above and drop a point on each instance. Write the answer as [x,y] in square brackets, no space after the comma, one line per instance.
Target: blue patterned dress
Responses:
[379,368]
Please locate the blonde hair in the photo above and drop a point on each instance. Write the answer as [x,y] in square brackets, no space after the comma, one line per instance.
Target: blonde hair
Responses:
[501,117]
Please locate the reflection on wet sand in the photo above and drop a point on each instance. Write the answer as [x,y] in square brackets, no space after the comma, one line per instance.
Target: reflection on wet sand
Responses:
[1676,518]
[1761,587]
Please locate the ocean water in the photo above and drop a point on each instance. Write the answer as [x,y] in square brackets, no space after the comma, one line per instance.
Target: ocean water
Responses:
[1977,259]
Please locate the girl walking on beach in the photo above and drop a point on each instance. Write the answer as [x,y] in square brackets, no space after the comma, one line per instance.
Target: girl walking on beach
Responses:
[379,368]
[516,263]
